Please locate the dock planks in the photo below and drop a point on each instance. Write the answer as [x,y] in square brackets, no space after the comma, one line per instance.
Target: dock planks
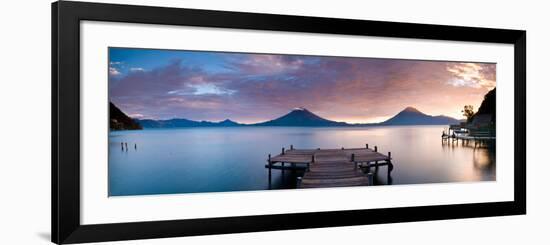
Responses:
[333,174]
[331,167]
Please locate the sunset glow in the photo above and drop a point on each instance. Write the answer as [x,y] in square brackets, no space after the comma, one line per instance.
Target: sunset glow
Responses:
[248,88]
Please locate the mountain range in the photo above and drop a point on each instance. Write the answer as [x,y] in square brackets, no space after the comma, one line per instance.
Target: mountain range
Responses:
[302,117]
[184,123]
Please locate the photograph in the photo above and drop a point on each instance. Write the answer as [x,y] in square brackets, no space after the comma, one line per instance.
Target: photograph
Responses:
[194,121]
[273,122]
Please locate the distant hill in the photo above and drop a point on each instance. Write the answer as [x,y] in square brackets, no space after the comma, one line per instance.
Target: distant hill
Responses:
[185,123]
[228,123]
[488,105]
[118,120]
[301,117]
[412,116]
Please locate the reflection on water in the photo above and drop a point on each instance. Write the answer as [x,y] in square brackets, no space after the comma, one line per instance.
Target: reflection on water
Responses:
[232,159]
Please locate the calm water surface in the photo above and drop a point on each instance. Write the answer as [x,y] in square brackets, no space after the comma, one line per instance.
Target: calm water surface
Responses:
[232,159]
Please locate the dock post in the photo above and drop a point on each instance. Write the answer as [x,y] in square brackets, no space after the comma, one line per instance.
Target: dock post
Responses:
[312,161]
[367,145]
[375,148]
[291,147]
[390,168]
[353,160]
[269,169]
[283,151]
[370,178]
[368,167]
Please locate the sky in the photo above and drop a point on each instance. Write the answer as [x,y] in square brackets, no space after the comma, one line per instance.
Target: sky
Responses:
[249,88]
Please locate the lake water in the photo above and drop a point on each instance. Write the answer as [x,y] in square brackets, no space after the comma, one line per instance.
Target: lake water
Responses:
[191,160]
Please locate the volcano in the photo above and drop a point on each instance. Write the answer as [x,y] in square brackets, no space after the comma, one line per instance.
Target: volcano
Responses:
[412,116]
[301,117]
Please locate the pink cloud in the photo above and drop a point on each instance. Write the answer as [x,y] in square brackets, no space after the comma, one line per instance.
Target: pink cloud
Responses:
[260,87]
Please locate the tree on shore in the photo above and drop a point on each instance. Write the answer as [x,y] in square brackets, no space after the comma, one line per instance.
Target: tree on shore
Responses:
[468,112]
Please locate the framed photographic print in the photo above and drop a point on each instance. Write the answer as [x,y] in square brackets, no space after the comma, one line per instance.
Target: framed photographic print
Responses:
[176,122]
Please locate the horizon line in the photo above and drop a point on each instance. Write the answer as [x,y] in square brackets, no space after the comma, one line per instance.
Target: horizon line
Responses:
[258,122]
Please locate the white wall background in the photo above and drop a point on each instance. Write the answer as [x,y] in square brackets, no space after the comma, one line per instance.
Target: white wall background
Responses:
[25,121]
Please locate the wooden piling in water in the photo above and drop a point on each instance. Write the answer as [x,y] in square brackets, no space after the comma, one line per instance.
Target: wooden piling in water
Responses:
[269,163]
[312,161]
[370,176]
[368,167]
[375,148]
[390,166]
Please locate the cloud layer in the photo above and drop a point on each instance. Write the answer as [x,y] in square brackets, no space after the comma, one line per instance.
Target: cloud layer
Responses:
[256,87]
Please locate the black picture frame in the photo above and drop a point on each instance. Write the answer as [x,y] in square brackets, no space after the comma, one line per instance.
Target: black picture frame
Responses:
[66,18]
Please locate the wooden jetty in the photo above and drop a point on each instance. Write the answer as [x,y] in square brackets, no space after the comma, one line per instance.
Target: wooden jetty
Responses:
[476,136]
[331,167]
